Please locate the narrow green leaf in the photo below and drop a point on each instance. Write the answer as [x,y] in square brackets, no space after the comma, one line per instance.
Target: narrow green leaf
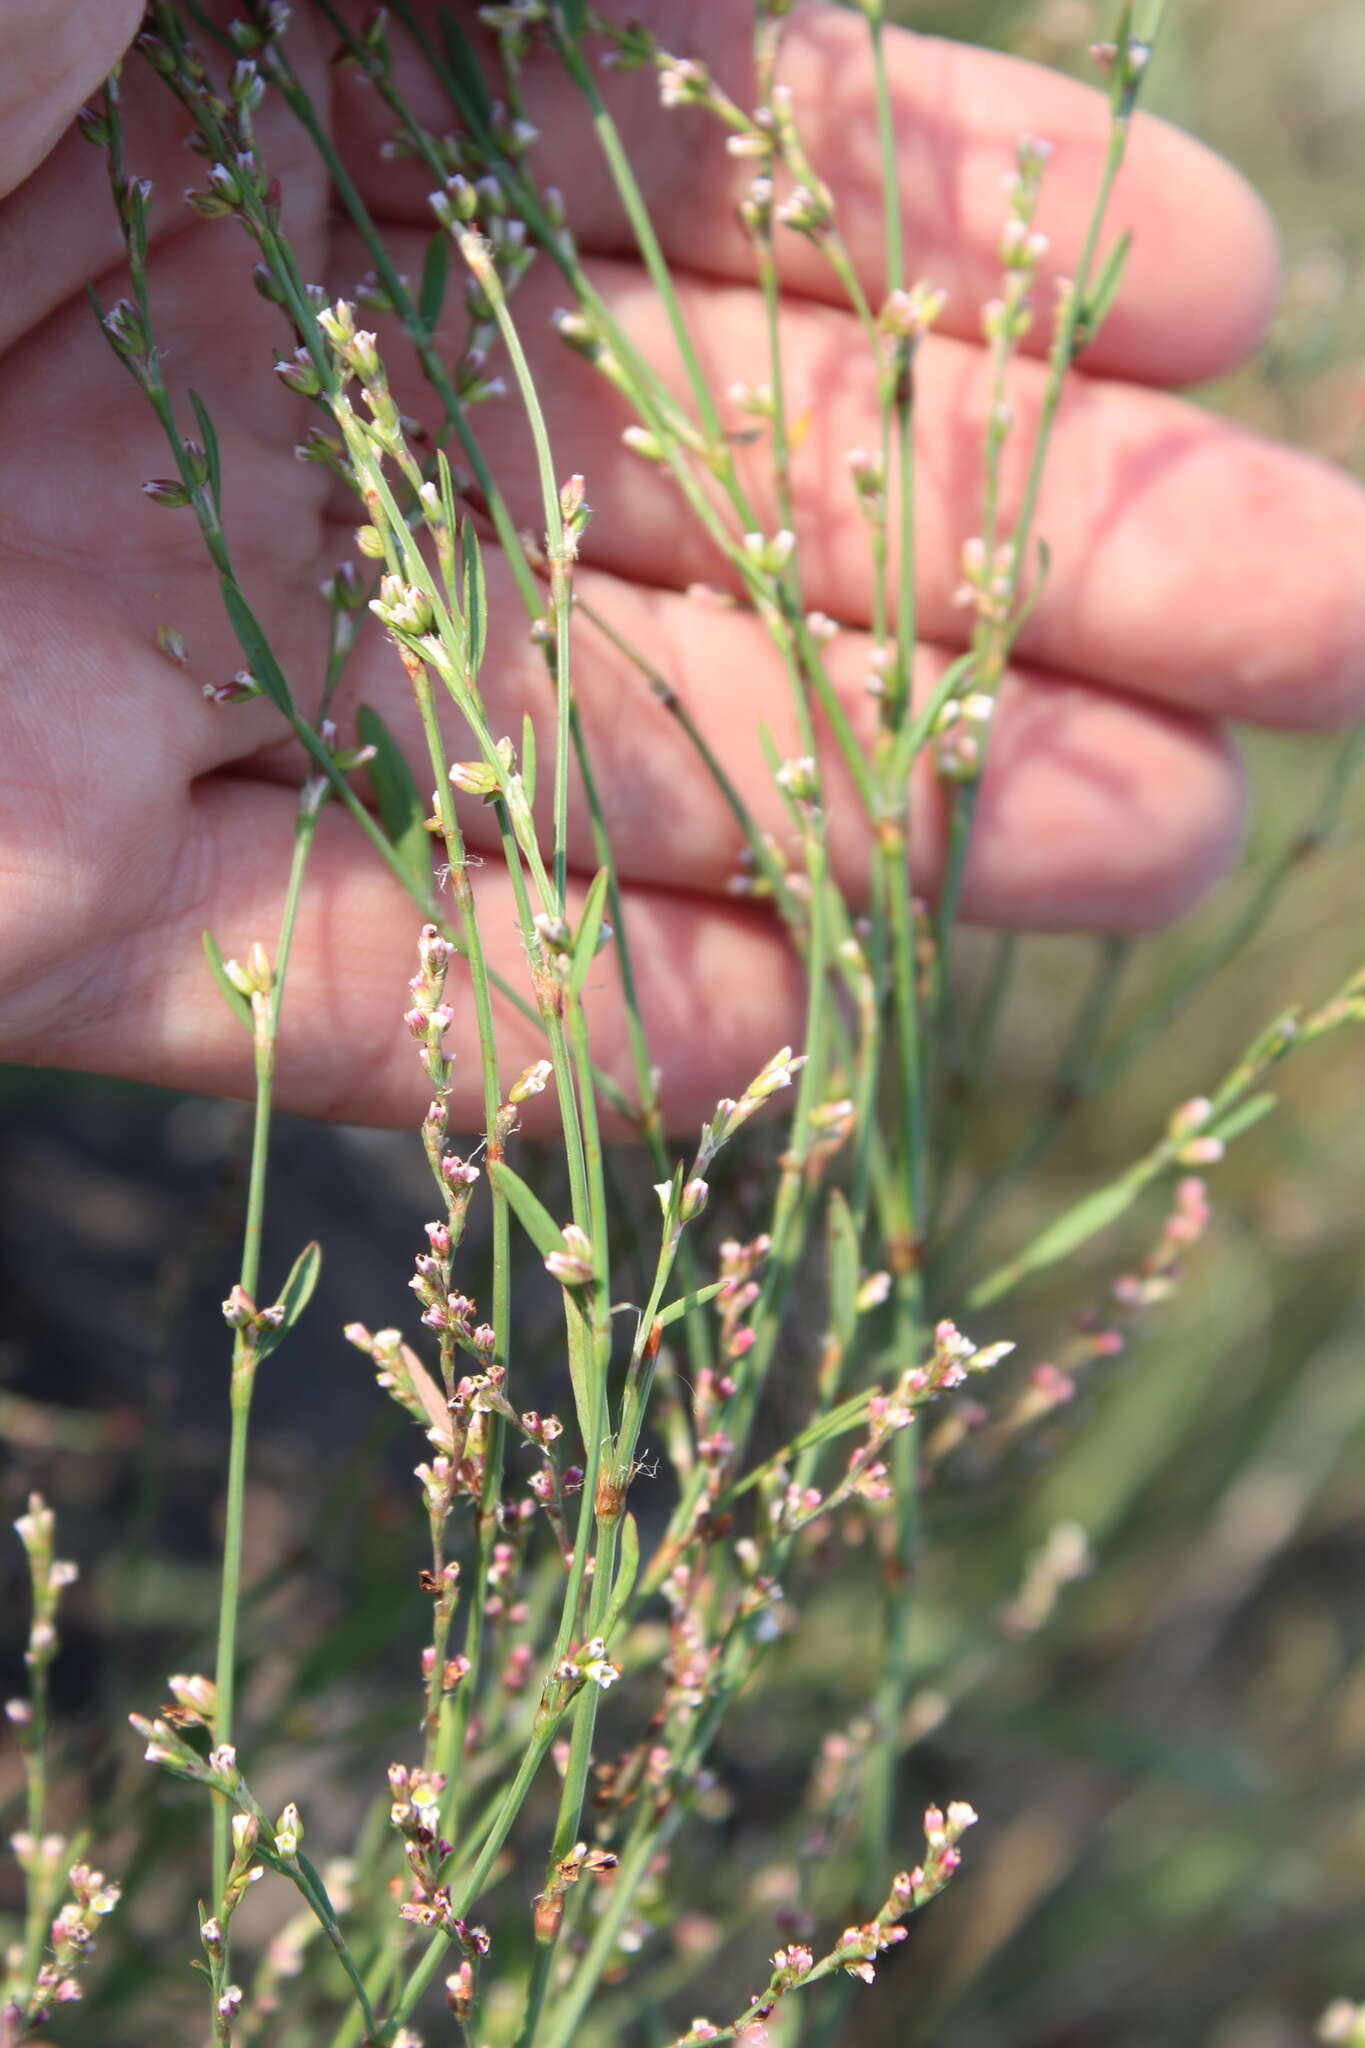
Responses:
[295,1296]
[528,758]
[1033,596]
[1122,36]
[297,1291]
[530,1212]
[1242,1118]
[917,731]
[446,484]
[208,434]
[685,1304]
[1279,1038]
[254,645]
[575,17]
[842,1246]
[1151,26]
[850,1414]
[1084,1220]
[616,1099]
[589,931]
[475,599]
[626,1574]
[431,296]
[1099,301]
[468,72]
[233,997]
[401,810]
[446,480]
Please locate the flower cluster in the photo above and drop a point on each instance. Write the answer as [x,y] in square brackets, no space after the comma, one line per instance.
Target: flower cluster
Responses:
[858,1949]
[71,1936]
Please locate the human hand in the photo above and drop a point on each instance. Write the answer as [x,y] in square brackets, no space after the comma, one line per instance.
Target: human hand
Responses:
[1198,573]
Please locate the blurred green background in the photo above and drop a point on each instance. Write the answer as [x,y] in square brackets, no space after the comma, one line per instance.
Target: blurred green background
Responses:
[1177,1785]
[1172,1774]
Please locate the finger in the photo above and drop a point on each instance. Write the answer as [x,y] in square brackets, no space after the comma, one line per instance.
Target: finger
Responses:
[718,989]
[959,116]
[52,56]
[1191,561]
[1096,811]
[80,438]
[59,229]
[1168,823]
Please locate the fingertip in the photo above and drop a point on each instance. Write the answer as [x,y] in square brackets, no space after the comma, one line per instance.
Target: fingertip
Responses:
[1206,836]
[1272,618]
[1101,814]
[720,992]
[1206,269]
[51,58]
[1203,276]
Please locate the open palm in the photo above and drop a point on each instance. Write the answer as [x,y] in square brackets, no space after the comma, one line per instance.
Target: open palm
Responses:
[1198,574]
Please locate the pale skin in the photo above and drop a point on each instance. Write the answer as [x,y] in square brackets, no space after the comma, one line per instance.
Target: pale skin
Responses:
[1201,576]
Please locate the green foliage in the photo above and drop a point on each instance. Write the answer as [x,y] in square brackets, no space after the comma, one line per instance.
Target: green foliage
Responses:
[1169,1769]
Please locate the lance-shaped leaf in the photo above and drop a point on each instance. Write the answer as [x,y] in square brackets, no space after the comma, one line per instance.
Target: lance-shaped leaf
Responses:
[528,758]
[842,1243]
[587,942]
[208,434]
[467,79]
[530,1212]
[626,1574]
[231,994]
[435,274]
[475,600]
[260,658]
[295,1296]
[401,810]
[1099,300]
[1084,1220]
[1241,1119]
[685,1304]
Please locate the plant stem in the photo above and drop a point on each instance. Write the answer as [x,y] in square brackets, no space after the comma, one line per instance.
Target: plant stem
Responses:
[267,1012]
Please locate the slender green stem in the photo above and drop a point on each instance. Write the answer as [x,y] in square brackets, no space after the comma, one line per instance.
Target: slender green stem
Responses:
[884,1751]
[46,1875]
[738,1652]
[996,639]
[309,1882]
[560,547]
[781,431]
[623,176]
[428,354]
[454,1714]
[471,1886]
[641,1848]
[886,142]
[576,1771]
[524,200]
[267,1011]
[1064,347]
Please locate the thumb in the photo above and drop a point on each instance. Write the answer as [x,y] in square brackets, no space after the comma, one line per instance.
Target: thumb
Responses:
[53,53]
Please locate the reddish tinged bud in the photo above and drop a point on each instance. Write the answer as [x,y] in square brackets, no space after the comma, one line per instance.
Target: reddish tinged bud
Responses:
[549,1912]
